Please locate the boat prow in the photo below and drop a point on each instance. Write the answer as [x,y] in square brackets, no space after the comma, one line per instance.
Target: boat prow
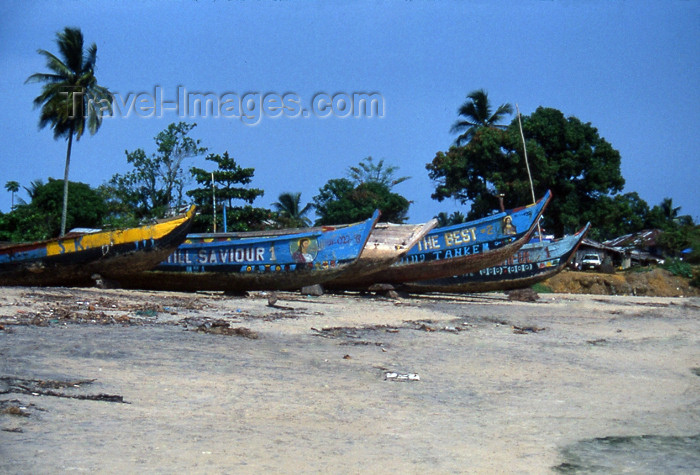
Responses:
[74,258]
[277,260]
[534,262]
[462,248]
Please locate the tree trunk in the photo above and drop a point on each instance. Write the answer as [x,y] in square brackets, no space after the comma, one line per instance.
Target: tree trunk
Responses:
[64,212]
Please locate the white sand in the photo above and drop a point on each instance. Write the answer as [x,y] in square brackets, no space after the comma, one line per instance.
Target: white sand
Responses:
[503,385]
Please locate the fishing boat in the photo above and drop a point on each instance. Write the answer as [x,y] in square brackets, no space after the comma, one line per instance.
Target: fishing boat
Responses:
[259,260]
[534,262]
[74,258]
[460,248]
[387,244]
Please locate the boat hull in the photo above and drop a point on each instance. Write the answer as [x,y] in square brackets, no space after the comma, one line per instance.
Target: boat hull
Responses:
[74,259]
[461,248]
[255,261]
[386,245]
[533,263]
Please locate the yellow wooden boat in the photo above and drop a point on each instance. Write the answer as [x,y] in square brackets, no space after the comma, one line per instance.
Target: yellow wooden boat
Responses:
[77,257]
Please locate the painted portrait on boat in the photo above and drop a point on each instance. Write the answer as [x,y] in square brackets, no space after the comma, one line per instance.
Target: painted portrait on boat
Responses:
[304,250]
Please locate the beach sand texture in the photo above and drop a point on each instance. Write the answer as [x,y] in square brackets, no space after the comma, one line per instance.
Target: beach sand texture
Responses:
[113,381]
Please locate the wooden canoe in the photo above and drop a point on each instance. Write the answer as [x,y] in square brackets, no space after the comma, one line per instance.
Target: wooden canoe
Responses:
[259,260]
[386,245]
[534,262]
[461,248]
[73,259]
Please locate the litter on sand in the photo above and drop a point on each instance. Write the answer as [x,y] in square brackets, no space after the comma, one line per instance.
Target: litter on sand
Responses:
[402,377]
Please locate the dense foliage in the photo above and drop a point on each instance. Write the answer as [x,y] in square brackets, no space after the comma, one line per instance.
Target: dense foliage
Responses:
[41,218]
[565,155]
[157,182]
[681,241]
[367,188]
[340,202]
[290,212]
[226,188]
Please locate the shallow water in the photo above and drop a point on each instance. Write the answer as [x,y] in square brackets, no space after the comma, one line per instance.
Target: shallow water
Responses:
[645,454]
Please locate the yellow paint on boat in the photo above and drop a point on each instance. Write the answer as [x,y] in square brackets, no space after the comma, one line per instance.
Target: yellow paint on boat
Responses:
[108,239]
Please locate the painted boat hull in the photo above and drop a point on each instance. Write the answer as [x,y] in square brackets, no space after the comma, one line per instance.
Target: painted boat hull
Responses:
[386,245]
[461,248]
[534,262]
[73,259]
[259,261]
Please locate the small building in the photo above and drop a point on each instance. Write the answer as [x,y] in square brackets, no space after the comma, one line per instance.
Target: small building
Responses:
[616,257]
[625,251]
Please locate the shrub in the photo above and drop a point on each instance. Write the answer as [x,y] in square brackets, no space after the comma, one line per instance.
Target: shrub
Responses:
[678,268]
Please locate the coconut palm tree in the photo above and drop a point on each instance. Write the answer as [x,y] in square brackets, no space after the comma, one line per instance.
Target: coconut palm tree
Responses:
[13,187]
[670,212]
[369,172]
[477,113]
[71,101]
[290,210]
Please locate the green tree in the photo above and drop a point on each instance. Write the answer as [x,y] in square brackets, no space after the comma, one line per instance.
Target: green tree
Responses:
[616,216]
[368,171]
[71,101]
[667,217]
[41,218]
[290,212]
[565,155]
[448,220]
[368,188]
[339,202]
[473,173]
[13,187]
[157,182]
[477,113]
[675,240]
[228,178]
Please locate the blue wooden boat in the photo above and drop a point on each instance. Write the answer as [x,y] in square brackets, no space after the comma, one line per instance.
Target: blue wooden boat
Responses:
[74,258]
[386,245]
[461,248]
[534,262]
[264,260]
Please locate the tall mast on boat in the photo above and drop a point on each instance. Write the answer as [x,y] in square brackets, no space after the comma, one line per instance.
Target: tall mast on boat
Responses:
[527,165]
[213,198]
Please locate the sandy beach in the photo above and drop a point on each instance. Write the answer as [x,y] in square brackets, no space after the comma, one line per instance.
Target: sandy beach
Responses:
[114,381]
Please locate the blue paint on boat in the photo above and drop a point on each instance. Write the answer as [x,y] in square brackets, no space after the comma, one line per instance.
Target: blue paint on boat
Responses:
[319,249]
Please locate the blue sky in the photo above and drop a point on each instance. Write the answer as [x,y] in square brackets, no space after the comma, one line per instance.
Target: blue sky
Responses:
[629,68]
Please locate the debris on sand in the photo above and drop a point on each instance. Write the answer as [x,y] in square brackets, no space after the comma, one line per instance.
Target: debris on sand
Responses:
[433,326]
[15,410]
[71,306]
[312,290]
[401,377]
[523,295]
[41,387]
[384,290]
[272,299]
[597,342]
[526,330]
[219,327]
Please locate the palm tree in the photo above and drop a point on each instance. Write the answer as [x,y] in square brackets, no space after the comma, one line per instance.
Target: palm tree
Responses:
[448,220]
[457,218]
[13,187]
[670,212]
[369,172]
[477,113]
[70,98]
[290,210]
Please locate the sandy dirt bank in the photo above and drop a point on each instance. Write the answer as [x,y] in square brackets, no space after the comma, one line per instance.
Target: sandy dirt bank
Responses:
[112,381]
